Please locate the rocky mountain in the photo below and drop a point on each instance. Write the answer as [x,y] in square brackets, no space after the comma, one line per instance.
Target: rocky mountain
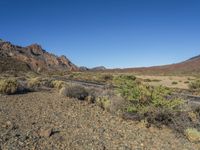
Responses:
[33,57]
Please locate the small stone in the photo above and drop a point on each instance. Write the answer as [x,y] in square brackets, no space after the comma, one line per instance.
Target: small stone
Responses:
[8,124]
[46,132]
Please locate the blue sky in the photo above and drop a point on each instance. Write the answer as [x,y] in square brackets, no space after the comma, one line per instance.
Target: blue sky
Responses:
[112,33]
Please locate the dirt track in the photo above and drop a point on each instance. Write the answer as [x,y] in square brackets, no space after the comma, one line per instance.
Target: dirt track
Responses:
[26,119]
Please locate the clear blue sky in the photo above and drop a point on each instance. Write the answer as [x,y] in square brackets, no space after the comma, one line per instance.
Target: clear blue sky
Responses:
[112,33]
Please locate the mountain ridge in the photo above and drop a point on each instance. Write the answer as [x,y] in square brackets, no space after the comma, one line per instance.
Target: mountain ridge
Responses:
[36,57]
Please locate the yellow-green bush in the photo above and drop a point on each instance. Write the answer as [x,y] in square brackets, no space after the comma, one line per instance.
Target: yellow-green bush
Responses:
[192,134]
[34,82]
[142,96]
[103,102]
[8,86]
[159,98]
[58,84]
[131,89]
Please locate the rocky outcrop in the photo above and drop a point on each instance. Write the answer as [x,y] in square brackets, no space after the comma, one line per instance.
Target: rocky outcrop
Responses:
[36,58]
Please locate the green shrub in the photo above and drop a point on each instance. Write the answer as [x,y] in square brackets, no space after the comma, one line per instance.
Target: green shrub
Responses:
[159,98]
[8,86]
[131,89]
[145,102]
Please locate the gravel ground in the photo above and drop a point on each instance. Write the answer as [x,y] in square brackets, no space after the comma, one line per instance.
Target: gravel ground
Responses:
[48,121]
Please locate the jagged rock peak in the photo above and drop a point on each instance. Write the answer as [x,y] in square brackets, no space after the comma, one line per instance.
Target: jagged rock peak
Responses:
[36,48]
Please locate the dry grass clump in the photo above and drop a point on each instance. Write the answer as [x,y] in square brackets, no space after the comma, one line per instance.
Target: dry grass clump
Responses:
[58,84]
[192,134]
[8,86]
[34,82]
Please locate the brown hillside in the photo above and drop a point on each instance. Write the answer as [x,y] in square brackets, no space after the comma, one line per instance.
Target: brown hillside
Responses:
[33,58]
[191,66]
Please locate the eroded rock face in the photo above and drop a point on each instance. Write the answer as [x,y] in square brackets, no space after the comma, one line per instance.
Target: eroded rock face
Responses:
[37,58]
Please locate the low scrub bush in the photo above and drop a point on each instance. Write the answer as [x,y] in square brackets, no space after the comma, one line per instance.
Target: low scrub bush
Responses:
[131,89]
[174,83]
[195,85]
[160,98]
[8,86]
[156,105]
[77,92]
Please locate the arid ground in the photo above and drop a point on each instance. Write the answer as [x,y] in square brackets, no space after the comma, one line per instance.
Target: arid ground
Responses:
[45,120]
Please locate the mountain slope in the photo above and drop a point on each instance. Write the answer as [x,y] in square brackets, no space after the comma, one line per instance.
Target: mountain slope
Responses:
[190,66]
[33,58]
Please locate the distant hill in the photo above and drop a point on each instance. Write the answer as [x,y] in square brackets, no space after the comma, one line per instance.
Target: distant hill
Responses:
[99,68]
[189,67]
[31,58]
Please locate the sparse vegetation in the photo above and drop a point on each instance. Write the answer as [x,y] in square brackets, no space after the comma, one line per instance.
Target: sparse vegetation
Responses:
[155,105]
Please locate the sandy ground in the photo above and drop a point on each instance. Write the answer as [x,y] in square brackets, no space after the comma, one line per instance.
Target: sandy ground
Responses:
[167,81]
[48,121]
